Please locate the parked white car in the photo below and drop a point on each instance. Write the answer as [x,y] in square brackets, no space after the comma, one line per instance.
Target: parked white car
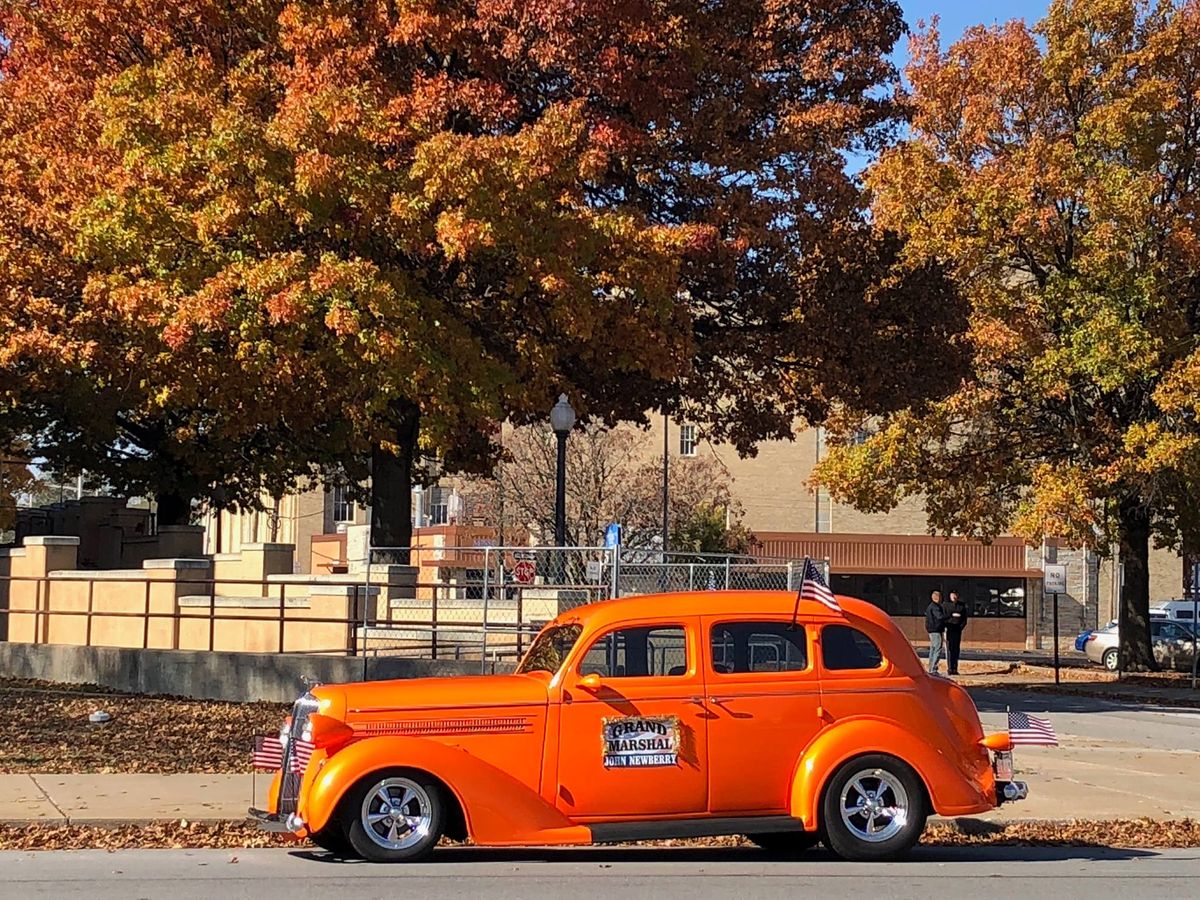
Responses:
[1170,641]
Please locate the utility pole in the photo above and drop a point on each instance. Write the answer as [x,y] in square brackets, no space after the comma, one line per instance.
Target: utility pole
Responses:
[666,490]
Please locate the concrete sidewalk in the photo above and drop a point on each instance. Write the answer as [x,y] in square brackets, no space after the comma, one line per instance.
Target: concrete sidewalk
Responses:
[126,799]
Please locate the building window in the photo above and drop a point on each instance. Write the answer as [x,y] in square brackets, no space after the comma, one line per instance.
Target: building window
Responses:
[343,506]
[908,595]
[687,440]
[439,507]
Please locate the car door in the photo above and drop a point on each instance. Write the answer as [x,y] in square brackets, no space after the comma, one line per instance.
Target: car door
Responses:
[633,736]
[764,697]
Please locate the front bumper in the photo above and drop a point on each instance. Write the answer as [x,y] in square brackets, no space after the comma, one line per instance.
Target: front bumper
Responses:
[274,822]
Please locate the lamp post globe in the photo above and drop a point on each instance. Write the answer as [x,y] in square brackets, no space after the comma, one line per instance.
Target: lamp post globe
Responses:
[562,420]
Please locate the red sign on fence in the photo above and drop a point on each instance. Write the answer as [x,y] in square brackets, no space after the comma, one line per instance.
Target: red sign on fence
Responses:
[524,571]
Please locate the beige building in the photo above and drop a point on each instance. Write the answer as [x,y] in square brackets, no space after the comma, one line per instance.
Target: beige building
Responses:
[888,559]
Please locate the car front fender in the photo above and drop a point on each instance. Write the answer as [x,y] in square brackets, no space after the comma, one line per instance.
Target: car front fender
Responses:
[952,791]
[498,808]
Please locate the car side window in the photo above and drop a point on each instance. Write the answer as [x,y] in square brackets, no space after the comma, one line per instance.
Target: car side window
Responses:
[1172,632]
[843,648]
[739,647]
[652,650]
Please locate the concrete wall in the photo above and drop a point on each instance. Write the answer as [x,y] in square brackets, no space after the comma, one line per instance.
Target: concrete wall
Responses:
[48,601]
[210,676]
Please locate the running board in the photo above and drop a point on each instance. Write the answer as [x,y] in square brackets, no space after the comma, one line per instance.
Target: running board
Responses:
[666,829]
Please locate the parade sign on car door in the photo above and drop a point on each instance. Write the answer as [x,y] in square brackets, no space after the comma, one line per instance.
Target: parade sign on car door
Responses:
[638,741]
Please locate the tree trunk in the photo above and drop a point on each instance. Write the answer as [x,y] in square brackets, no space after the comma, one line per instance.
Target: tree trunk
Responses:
[1134,528]
[391,487]
[174,509]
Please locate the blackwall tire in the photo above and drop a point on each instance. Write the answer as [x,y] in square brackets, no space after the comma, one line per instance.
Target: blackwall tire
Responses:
[785,841]
[333,839]
[874,808]
[1110,659]
[395,816]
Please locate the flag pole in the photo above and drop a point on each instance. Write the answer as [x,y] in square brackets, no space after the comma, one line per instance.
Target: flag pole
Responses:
[799,592]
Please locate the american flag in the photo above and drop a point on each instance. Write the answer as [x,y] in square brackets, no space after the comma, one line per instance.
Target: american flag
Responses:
[268,752]
[302,752]
[813,587]
[1026,729]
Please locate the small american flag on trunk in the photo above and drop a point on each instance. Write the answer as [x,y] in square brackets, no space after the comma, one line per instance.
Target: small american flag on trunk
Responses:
[268,752]
[1030,730]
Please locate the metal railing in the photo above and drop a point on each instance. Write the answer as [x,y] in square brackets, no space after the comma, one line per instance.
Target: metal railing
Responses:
[484,603]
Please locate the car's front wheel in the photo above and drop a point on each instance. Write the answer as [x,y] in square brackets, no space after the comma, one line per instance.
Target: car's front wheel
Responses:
[395,816]
[785,841]
[333,839]
[874,809]
[1110,659]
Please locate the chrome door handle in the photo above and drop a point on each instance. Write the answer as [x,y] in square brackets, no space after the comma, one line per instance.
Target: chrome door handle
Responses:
[699,701]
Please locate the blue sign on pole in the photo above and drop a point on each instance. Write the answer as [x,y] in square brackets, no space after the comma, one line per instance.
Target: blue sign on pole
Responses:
[612,535]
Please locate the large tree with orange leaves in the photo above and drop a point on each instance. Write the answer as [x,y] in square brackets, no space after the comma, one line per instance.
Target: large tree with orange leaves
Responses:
[1054,171]
[256,236]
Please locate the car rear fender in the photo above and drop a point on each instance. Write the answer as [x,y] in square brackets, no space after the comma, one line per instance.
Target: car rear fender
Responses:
[951,792]
[498,808]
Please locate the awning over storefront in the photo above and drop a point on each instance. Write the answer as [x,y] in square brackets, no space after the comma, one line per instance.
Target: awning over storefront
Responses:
[888,554]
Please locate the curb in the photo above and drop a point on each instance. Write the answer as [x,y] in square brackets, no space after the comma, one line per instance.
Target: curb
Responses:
[964,824]
[121,823]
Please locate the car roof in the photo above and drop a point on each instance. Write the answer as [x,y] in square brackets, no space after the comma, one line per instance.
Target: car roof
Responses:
[710,603]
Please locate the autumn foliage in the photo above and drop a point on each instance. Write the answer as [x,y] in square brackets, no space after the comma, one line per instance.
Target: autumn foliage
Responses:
[246,241]
[1053,170]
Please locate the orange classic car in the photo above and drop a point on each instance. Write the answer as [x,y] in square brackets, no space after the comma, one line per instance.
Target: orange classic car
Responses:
[663,716]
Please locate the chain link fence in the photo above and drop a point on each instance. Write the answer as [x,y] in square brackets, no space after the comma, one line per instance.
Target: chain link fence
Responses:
[483,603]
[488,603]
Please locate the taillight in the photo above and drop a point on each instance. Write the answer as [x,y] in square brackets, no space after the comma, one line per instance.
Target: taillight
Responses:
[1092,637]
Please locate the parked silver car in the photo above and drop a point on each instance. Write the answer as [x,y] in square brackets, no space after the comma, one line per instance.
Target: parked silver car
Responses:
[1170,641]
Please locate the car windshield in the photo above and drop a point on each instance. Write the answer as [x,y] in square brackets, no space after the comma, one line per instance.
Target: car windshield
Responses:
[550,648]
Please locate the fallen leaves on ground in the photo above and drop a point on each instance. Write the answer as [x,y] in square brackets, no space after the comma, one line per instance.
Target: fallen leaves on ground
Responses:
[1140,833]
[45,729]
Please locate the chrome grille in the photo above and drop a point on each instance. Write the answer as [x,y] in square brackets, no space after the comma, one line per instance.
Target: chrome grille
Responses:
[289,784]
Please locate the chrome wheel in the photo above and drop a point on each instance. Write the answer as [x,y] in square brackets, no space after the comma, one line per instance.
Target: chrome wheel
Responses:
[874,805]
[397,813]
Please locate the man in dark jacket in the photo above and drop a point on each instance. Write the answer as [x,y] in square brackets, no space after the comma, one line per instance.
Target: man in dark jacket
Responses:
[935,626]
[956,620]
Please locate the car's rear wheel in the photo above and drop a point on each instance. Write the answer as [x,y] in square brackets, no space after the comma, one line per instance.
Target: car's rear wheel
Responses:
[874,808]
[785,841]
[1110,659]
[395,816]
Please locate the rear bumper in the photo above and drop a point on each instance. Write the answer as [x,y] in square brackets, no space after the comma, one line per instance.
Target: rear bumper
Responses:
[1011,791]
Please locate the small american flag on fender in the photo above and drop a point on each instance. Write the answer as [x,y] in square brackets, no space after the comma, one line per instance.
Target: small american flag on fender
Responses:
[302,752]
[268,752]
[1030,730]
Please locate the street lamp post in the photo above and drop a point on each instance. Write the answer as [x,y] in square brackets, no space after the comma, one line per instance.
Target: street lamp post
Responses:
[562,420]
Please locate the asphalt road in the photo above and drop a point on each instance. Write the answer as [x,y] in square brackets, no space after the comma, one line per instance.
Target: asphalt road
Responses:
[684,874]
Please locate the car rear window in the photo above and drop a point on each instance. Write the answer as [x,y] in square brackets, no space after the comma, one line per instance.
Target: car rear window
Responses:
[844,648]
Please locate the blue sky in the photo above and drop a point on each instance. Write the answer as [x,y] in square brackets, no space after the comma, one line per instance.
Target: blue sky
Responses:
[957,15]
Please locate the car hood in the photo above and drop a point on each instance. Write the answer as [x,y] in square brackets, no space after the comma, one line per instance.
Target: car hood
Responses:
[417,696]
